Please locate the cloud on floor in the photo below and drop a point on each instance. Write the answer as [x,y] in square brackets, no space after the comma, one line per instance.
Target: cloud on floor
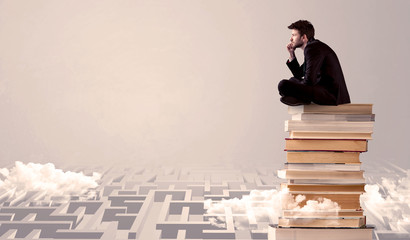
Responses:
[389,202]
[262,206]
[44,178]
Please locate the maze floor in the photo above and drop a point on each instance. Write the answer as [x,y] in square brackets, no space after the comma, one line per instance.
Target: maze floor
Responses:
[147,202]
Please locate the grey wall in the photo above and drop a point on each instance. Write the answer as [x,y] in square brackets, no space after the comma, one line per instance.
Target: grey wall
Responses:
[185,81]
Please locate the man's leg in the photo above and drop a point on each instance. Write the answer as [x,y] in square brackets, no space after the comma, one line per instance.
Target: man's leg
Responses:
[323,97]
[295,93]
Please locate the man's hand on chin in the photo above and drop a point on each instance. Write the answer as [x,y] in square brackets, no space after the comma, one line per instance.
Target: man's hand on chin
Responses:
[291,51]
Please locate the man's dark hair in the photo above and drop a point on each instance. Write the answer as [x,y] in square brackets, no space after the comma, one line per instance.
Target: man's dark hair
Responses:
[304,27]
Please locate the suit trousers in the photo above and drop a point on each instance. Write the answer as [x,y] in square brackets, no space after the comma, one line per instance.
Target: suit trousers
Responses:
[316,94]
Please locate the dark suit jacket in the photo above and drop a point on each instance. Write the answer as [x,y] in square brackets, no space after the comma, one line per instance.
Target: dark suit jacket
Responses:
[321,68]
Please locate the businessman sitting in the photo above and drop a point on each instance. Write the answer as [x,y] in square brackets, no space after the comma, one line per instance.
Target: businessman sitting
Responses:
[320,78]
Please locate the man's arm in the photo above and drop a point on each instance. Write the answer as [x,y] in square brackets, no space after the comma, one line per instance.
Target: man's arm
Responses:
[295,68]
[313,60]
[293,63]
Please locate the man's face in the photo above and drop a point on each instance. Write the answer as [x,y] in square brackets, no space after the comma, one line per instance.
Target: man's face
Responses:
[296,39]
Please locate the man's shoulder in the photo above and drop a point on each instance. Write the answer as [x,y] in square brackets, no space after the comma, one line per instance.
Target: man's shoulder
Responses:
[317,45]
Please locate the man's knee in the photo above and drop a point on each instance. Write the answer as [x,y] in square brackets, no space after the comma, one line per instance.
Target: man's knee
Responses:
[282,86]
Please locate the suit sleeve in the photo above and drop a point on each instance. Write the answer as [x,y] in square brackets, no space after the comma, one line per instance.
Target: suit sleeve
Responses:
[295,68]
[313,60]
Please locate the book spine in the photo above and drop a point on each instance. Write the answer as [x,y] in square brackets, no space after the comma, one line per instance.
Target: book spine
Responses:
[343,145]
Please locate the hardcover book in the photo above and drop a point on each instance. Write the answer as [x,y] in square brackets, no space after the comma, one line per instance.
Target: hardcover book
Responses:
[322,157]
[334,117]
[330,135]
[334,145]
[328,126]
[339,109]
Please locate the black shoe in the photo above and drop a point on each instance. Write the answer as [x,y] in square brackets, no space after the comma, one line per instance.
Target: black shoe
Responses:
[292,101]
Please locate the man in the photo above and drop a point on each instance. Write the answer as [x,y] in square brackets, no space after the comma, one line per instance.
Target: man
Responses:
[320,78]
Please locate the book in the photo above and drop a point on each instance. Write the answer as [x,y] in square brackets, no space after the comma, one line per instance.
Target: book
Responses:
[334,117]
[324,166]
[330,135]
[305,174]
[328,126]
[323,213]
[326,181]
[286,233]
[345,200]
[306,188]
[343,145]
[340,222]
[339,109]
[322,157]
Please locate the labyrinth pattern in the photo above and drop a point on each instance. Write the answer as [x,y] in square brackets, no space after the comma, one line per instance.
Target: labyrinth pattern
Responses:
[160,203]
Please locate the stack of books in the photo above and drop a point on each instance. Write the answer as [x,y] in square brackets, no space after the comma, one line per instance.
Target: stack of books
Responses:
[323,162]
